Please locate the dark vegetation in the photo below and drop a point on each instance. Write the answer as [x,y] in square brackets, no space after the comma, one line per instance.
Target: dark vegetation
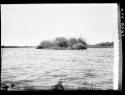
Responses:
[63,43]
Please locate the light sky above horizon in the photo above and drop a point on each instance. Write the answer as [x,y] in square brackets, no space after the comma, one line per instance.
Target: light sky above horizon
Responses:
[29,24]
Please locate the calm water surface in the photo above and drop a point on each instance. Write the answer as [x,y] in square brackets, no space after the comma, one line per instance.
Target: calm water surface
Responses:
[41,69]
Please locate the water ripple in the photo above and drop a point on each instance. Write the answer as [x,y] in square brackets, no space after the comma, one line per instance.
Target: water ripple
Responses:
[31,68]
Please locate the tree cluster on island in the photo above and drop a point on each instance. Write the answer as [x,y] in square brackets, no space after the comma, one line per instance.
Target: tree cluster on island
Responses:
[63,43]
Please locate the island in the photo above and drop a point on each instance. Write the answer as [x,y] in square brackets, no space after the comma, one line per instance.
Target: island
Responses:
[61,43]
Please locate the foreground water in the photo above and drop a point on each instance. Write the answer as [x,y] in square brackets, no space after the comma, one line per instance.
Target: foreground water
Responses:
[31,68]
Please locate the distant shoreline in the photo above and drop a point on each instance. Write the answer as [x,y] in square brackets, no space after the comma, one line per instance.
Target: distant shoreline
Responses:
[18,46]
[92,46]
[95,46]
[62,43]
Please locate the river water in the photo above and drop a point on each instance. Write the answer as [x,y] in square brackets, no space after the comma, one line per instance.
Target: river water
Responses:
[31,68]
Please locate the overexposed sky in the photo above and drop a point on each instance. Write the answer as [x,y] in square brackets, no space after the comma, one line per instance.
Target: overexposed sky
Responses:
[28,24]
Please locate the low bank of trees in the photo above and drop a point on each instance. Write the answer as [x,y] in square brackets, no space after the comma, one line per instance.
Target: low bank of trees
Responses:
[63,43]
[105,44]
[102,45]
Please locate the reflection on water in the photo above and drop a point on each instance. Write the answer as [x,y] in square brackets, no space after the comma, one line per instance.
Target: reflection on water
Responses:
[31,68]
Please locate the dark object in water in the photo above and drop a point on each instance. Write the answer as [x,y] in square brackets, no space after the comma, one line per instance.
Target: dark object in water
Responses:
[6,85]
[12,85]
[59,86]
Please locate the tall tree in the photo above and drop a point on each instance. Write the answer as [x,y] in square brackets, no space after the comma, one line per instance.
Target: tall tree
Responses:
[61,41]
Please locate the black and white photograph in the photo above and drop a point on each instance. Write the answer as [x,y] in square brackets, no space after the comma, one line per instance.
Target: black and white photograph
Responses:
[59,47]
